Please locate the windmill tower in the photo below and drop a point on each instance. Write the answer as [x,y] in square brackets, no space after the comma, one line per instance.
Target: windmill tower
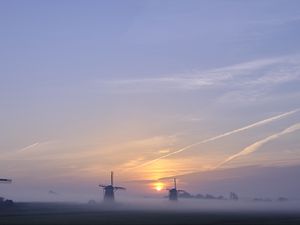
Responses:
[109,190]
[173,192]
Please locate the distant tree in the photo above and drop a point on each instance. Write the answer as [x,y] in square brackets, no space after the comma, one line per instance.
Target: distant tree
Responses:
[184,194]
[209,196]
[8,202]
[233,196]
[262,200]
[200,196]
[282,199]
[221,197]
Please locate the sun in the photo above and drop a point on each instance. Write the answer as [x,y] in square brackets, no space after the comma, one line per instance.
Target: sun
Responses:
[158,186]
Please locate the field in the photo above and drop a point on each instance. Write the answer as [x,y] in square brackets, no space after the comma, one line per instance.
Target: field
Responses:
[58,213]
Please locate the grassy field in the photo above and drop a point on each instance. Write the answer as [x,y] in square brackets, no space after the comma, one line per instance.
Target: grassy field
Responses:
[42,213]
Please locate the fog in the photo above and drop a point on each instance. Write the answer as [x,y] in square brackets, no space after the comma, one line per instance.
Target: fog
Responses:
[203,205]
[244,204]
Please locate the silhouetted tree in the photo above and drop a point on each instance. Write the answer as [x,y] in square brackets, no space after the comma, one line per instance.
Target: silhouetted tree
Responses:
[233,196]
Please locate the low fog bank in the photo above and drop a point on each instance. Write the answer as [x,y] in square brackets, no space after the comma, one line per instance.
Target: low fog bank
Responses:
[206,205]
[182,205]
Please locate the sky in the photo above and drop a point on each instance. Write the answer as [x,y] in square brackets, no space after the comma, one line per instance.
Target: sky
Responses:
[87,87]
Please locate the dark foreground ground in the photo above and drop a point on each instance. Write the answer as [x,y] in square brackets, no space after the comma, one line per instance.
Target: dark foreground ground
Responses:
[42,213]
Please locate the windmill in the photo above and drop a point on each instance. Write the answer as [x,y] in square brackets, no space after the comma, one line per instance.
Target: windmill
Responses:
[109,190]
[173,192]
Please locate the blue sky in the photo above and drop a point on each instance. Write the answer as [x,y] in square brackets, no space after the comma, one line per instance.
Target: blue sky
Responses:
[91,86]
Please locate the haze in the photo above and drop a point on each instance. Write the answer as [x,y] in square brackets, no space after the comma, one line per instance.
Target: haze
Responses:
[206,91]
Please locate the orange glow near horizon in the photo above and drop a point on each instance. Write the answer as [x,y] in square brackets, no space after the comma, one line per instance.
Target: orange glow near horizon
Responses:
[158,186]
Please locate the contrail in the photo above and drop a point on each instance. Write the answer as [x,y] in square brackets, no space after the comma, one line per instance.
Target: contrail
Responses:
[259,123]
[29,147]
[255,146]
[22,150]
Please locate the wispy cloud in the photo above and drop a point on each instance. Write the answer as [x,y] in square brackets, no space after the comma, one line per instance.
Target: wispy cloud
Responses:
[277,21]
[258,72]
[156,84]
[257,145]
[256,124]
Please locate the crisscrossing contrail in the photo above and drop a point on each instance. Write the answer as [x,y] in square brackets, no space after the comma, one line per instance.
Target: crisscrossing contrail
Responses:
[256,124]
[256,145]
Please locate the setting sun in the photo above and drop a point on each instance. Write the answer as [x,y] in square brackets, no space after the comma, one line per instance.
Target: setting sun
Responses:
[158,186]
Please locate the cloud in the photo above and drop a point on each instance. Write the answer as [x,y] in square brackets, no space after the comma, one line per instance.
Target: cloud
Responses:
[270,71]
[257,145]
[133,162]
[253,125]
[263,81]
[157,84]
[163,151]
[277,21]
